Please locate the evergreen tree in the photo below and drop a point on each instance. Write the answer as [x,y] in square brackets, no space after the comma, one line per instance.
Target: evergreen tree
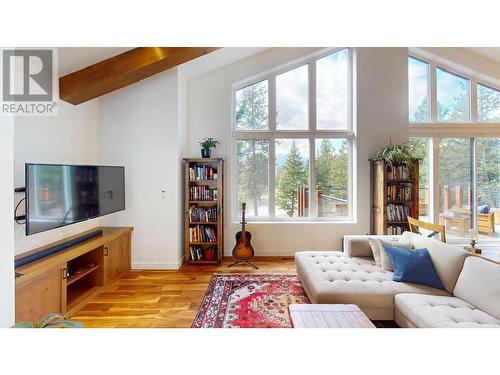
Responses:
[292,176]
[253,155]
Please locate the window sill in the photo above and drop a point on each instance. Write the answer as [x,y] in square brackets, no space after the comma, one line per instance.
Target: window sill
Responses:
[267,222]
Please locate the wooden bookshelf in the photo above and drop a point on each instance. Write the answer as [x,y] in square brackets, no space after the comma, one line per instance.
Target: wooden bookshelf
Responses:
[395,193]
[203,210]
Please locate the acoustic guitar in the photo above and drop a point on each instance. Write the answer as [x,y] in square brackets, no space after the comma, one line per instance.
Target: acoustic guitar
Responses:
[243,250]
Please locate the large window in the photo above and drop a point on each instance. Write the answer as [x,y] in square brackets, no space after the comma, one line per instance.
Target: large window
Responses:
[292,133]
[418,90]
[455,126]
[438,94]
[467,185]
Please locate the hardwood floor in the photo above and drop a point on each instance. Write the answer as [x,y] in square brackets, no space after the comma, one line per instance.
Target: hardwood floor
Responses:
[149,298]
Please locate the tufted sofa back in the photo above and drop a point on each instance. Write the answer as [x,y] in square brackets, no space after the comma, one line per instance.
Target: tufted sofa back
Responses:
[479,285]
[447,260]
[359,246]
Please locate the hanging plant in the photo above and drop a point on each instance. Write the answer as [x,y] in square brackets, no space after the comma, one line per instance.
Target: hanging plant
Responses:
[399,154]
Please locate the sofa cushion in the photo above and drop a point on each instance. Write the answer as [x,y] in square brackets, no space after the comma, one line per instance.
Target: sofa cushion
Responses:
[385,259]
[375,247]
[413,266]
[479,285]
[447,260]
[429,311]
[334,277]
[359,246]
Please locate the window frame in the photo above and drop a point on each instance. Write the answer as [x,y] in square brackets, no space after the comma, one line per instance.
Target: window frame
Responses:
[434,131]
[473,126]
[311,133]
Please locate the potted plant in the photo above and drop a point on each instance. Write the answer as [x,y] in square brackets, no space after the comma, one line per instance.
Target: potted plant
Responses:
[398,154]
[50,321]
[206,145]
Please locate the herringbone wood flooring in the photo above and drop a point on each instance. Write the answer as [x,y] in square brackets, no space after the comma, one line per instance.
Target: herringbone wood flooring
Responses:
[144,298]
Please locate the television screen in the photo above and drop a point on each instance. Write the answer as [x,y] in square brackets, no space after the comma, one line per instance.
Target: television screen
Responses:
[59,195]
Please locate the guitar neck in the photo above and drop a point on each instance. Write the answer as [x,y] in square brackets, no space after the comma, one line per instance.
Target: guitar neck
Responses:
[243,221]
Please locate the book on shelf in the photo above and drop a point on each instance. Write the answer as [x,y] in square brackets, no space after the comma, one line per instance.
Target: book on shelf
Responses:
[202,193]
[395,229]
[399,192]
[399,212]
[398,172]
[199,172]
[202,233]
[196,252]
[202,214]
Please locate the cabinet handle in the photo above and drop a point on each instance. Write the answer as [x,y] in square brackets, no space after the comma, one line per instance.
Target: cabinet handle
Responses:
[106,251]
[65,273]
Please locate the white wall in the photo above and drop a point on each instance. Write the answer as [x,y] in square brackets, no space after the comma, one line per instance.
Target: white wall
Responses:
[381,113]
[139,128]
[6,229]
[69,138]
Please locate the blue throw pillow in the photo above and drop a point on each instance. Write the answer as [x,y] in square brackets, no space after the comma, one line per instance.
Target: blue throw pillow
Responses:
[413,266]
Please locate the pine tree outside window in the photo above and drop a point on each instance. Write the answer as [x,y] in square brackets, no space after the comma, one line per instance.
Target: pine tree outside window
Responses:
[293,140]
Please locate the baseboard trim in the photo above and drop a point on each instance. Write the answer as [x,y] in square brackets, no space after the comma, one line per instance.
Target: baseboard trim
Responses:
[158,265]
[272,253]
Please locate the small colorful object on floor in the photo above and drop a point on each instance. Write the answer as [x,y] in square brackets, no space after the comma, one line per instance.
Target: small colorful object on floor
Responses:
[249,301]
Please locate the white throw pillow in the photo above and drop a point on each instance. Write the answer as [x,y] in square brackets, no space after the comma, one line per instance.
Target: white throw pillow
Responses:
[385,260]
[374,245]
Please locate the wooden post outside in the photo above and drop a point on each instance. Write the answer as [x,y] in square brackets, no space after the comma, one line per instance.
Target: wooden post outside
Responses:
[458,196]
[319,205]
[446,198]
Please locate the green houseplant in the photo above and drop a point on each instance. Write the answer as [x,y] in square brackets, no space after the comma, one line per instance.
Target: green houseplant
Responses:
[50,321]
[206,145]
[398,154]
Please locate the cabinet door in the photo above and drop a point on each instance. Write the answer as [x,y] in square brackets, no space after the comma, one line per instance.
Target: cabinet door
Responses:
[116,257]
[43,295]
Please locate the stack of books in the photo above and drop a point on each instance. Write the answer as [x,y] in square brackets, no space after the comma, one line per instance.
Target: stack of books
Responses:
[394,230]
[400,192]
[202,172]
[199,214]
[202,233]
[398,212]
[202,193]
[398,173]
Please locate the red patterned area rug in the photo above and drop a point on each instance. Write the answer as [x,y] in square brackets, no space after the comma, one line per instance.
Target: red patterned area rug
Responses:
[249,301]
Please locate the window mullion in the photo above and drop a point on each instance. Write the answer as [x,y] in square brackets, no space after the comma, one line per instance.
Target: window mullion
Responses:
[312,127]
[433,92]
[473,101]
[272,155]
[474,198]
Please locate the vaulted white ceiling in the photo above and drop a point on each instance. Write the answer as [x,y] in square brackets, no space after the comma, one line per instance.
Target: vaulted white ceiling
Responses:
[491,53]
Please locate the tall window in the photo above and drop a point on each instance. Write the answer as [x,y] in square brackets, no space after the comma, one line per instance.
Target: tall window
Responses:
[418,90]
[292,132]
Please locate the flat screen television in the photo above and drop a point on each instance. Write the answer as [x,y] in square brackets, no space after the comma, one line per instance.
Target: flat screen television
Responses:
[60,195]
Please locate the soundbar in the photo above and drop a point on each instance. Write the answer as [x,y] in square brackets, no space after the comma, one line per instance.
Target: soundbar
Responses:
[56,248]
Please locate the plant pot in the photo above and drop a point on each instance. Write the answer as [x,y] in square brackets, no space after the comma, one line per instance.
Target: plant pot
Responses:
[205,153]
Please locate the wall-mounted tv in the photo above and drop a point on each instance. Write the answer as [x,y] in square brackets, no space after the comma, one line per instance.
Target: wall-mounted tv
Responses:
[59,195]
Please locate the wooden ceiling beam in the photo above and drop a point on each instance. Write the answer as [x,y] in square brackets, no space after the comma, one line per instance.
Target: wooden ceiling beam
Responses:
[123,70]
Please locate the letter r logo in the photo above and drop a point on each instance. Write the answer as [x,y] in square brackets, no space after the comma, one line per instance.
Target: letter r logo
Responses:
[27,75]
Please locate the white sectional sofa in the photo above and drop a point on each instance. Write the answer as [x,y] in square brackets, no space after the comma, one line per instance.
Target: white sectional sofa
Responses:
[471,298]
